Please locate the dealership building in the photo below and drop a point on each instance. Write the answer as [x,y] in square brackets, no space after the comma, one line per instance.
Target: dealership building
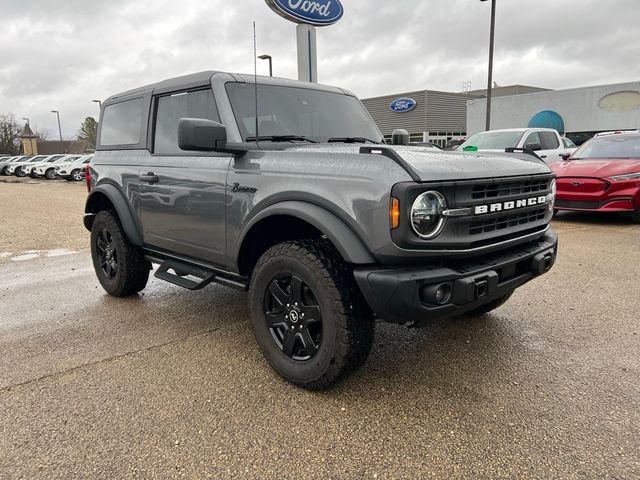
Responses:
[431,116]
[578,113]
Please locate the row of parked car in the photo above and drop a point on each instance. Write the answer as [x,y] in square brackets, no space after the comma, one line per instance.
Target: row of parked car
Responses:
[69,167]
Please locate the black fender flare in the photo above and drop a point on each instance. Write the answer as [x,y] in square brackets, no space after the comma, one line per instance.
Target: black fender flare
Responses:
[352,249]
[122,207]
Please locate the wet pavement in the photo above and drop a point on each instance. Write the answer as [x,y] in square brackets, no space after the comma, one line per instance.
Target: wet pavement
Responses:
[169,384]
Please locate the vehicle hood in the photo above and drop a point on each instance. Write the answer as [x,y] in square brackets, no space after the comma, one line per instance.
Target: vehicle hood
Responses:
[595,168]
[433,165]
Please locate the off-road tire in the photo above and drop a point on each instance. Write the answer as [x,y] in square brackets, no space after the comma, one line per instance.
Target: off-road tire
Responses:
[347,322]
[50,174]
[488,307]
[132,273]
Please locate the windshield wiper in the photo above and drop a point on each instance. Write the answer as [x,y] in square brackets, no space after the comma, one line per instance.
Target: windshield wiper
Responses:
[350,140]
[280,138]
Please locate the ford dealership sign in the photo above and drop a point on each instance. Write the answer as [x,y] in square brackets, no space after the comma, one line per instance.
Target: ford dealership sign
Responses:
[403,105]
[312,12]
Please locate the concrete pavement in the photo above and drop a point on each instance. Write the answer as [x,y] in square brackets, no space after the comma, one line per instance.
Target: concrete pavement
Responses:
[170,384]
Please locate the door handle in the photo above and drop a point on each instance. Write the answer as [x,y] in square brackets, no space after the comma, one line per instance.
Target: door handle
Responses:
[543,156]
[149,177]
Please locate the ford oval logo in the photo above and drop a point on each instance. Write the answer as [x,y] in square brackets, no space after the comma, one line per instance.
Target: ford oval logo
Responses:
[403,105]
[313,12]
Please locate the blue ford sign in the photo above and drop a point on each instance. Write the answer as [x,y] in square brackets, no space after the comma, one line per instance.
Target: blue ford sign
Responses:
[312,12]
[403,105]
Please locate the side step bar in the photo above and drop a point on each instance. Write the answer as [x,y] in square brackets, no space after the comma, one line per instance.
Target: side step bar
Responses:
[199,277]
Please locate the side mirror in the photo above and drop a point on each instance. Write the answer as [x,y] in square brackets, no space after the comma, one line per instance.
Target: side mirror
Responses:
[533,146]
[400,137]
[201,135]
[565,156]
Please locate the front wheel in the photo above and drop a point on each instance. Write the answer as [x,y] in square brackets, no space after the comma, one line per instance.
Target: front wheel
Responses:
[50,174]
[20,173]
[307,314]
[120,266]
[76,175]
[488,307]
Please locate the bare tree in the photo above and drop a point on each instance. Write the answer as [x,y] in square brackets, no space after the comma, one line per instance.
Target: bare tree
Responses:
[9,134]
[42,133]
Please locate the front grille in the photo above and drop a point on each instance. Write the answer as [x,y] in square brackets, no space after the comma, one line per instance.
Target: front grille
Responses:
[504,222]
[506,189]
[577,204]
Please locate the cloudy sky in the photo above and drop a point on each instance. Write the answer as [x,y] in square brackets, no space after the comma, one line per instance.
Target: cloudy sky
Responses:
[61,54]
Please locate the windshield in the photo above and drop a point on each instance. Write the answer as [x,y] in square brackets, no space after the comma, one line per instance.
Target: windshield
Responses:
[568,143]
[493,140]
[37,159]
[610,147]
[313,114]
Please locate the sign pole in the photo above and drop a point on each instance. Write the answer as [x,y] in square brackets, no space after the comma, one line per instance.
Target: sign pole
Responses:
[307,53]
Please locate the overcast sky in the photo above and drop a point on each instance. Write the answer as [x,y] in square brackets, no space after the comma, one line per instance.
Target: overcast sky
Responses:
[61,54]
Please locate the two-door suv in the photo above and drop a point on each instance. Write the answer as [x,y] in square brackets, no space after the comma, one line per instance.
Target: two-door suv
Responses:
[294,197]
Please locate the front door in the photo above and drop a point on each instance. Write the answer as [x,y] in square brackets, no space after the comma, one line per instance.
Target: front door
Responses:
[182,194]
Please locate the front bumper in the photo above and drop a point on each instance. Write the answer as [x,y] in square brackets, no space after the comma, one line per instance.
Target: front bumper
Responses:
[407,294]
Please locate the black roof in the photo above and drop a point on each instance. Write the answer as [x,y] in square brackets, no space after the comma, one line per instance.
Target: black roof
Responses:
[202,79]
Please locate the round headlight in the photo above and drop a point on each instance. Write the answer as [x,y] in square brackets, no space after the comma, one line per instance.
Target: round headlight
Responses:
[426,214]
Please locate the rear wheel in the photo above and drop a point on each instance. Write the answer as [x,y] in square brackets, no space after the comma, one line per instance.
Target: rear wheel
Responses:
[76,175]
[50,174]
[120,266]
[308,316]
[488,307]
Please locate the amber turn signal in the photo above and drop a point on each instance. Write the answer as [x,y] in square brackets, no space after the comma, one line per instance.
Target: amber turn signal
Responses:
[395,213]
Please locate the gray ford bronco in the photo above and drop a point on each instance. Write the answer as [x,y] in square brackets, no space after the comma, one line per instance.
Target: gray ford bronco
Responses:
[294,197]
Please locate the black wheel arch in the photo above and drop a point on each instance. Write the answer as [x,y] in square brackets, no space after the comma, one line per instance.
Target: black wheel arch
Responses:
[306,220]
[109,197]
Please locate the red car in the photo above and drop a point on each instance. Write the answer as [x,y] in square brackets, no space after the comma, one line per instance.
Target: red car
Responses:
[603,175]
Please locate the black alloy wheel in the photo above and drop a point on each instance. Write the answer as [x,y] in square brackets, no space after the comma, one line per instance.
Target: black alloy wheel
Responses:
[293,317]
[107,255]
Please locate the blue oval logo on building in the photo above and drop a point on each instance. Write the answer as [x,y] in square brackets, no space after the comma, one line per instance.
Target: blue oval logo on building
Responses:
[314,12]
[403,105]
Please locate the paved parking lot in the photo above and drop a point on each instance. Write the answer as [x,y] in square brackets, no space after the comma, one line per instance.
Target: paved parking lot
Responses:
[170,384]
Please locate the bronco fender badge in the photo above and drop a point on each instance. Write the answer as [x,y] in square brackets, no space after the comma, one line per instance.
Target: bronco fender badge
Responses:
[243,189]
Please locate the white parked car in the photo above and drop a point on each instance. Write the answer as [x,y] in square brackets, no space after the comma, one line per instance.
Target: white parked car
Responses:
[4,164]
[29,168]
[545,142]
[73,171]
[15,168]
[48,169]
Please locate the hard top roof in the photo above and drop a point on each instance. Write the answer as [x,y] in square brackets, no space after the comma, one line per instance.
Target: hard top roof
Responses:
[202,79]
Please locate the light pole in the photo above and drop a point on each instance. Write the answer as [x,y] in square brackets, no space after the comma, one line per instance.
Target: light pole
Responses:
[98,102]
[59,128]
[490,78]
[268,57]
[27,119]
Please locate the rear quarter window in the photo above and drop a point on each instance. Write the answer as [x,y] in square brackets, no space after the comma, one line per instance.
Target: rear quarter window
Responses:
[122,123]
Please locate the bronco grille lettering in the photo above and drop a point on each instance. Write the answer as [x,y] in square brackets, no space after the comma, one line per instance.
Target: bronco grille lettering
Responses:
[511,205]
